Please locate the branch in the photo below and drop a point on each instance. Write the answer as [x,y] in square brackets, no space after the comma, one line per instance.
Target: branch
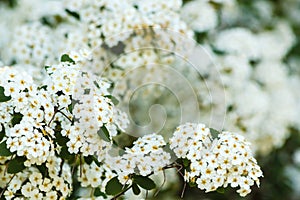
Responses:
[121,193]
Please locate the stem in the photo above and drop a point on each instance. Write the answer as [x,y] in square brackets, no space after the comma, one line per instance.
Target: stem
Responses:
[159,189]
[7,185]
[65,115]
[92,192]
[183,190]
[121,193]
[55,111]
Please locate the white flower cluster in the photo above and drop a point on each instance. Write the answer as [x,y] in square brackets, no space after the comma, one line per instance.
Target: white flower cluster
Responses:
[27,134]
[189,139]
[119,20]
[31,44]
[146,157]
[94,176]
[254,74]
[36,118]
[33,184]
[67,116]
[224,161]
[200,15]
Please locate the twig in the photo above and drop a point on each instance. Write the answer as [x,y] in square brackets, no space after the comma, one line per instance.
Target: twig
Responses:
[52,118]
[121,193]
[159,189]
[7,185]
[65,115]
[183,190]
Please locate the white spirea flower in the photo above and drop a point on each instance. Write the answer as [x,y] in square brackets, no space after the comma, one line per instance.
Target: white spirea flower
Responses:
[238,41]
[225,160]
[144,158]
[200,15]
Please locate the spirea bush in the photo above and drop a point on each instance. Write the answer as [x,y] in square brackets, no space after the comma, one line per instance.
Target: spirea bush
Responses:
[77,79]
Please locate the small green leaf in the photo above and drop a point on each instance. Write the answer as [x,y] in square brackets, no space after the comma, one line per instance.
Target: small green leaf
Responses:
[71,107]
[186,162]
[86,91]
[73,14]
[135,188]
[43,169]
[113,186]
[2,133]
[97,161]
[16,165]
[17,118]
[214,132]
[4,151]
[3,98]
[113,99]
[98,193]
[59,139]
[65,154]
[66,58]
[192,184]
[47,67]
[88,159]
[44,87]
[221,190]
[104,134]
[144,182]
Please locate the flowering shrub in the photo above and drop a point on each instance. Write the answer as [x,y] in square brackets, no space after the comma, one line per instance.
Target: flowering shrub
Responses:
[67,126]
[77,78]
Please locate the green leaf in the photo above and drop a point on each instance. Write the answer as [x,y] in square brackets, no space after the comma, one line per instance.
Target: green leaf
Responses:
[135,188]
[113,99]
[104,134]
[113,186]
[214,132]
[2,133]
[186,162]
[59,139]
[88,159]
[144,182]
[3,98]
[98,193]
[66,58]
[17,118]
[65,154]
[16,165]
[86,91]
[96,161]
[221,190]
[192,184]
[4,151]
[47,67]
[73,14]
[43,169]
[71,107]
[44,87]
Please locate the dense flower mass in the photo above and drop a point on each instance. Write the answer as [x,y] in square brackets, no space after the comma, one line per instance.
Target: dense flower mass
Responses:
[225,160]
[76,128]
[71,115]
[146,157]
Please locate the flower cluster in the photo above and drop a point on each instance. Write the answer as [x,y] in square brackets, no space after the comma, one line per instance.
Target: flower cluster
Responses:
[31,44]
[63,125]
[216,163]
[24,116]
[145,158]
[32,183]
[94,176]
[43,122]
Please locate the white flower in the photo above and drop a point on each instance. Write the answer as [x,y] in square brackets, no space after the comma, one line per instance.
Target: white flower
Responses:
[200,15]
